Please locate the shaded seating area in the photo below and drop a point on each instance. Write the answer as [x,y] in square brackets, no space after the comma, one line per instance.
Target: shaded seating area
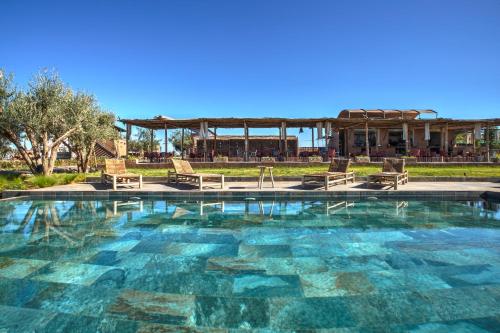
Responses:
[393,173]
[116,173]
[183,172]
[370,133]
[338,172]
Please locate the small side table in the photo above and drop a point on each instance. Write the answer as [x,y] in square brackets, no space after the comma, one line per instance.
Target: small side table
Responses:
[263,168]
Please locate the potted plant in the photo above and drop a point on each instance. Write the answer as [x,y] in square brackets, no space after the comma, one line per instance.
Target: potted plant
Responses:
[315,158]
[221,159]
[362,159]
[410,159]
[268,159]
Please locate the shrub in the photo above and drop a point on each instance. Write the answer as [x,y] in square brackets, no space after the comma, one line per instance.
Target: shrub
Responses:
[11,182]
[42,181]
[56,179]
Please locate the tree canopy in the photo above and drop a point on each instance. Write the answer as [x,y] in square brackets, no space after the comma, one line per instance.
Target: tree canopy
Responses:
[47,114]
[142,141]
[176,140]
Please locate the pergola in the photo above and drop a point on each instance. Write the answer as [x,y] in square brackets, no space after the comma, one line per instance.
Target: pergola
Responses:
[347,120]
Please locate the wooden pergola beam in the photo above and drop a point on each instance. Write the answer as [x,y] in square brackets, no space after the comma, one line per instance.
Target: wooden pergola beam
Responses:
[303,122]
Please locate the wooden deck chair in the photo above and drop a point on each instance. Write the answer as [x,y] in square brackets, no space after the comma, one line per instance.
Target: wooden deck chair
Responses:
[116,173]
[184,172]
[393,173]
[337,173]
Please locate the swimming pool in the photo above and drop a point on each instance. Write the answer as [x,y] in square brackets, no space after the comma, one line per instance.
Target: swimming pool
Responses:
[136,265]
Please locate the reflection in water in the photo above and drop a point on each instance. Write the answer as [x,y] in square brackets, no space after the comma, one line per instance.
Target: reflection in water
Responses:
[198,265]
[45,219]
[124,206]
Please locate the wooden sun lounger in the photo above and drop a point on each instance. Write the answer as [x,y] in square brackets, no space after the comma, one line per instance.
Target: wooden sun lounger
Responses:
[337,173]
[116,173]
[393,173]
[184,172]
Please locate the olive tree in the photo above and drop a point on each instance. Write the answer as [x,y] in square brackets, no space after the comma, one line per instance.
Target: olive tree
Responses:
[39,120]
[96,125]
[5,148]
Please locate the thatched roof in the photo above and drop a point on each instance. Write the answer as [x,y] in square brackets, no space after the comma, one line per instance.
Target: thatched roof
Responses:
[250,137]
[161,123]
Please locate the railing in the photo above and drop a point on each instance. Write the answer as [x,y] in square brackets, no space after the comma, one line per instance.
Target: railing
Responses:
[303,159]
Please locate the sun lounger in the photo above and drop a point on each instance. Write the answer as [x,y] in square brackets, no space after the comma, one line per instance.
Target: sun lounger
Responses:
[116,173]
[337,173]
[393,173]
[184,172]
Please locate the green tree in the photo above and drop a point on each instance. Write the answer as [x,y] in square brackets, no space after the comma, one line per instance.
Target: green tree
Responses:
[39,120]
[5,148]
[142,141]
[96,125]
[176,140]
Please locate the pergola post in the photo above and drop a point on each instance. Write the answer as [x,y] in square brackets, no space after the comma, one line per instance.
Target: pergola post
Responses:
[215,141]
[205,149]
[441,146]
[406,138]
[182,143]
[336,138]
[286,139]
[487,134]
[427,134]
[367,141]
[204,133]
[346,142]
[166,142]
[312,137]
[280,145]
[127,138]
[474,140]
[151,143]
[246,140]
[446,140]
[413,137]
[377,139]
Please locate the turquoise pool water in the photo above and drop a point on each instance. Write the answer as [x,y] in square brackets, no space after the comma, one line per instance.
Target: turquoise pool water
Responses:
[235,266]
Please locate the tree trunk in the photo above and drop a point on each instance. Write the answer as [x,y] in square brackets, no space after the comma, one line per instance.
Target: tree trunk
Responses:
[16,141]
[86,161]
[45,156]
[50,154]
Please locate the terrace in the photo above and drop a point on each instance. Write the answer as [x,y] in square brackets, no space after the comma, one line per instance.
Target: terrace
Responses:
[355,132]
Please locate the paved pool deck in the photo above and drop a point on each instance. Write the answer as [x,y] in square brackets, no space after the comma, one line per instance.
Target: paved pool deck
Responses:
[293,186]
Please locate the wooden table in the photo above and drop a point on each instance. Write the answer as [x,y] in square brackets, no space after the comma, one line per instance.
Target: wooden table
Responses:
[263,168]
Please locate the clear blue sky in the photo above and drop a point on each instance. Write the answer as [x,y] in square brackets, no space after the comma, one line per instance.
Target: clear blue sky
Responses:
[263,57]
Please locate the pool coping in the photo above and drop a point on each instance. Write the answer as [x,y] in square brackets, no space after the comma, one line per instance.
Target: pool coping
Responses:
[276,194]
[299,178]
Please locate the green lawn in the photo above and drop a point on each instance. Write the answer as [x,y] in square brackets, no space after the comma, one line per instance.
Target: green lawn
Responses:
[13,182]
[18,183]
[448,171]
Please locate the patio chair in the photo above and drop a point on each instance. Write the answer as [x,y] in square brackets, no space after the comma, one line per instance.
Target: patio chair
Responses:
[183,172]
[393,173]
[116,173]
[337,173]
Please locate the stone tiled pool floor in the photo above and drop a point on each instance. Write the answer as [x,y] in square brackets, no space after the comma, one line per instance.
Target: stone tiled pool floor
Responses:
[291,266]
